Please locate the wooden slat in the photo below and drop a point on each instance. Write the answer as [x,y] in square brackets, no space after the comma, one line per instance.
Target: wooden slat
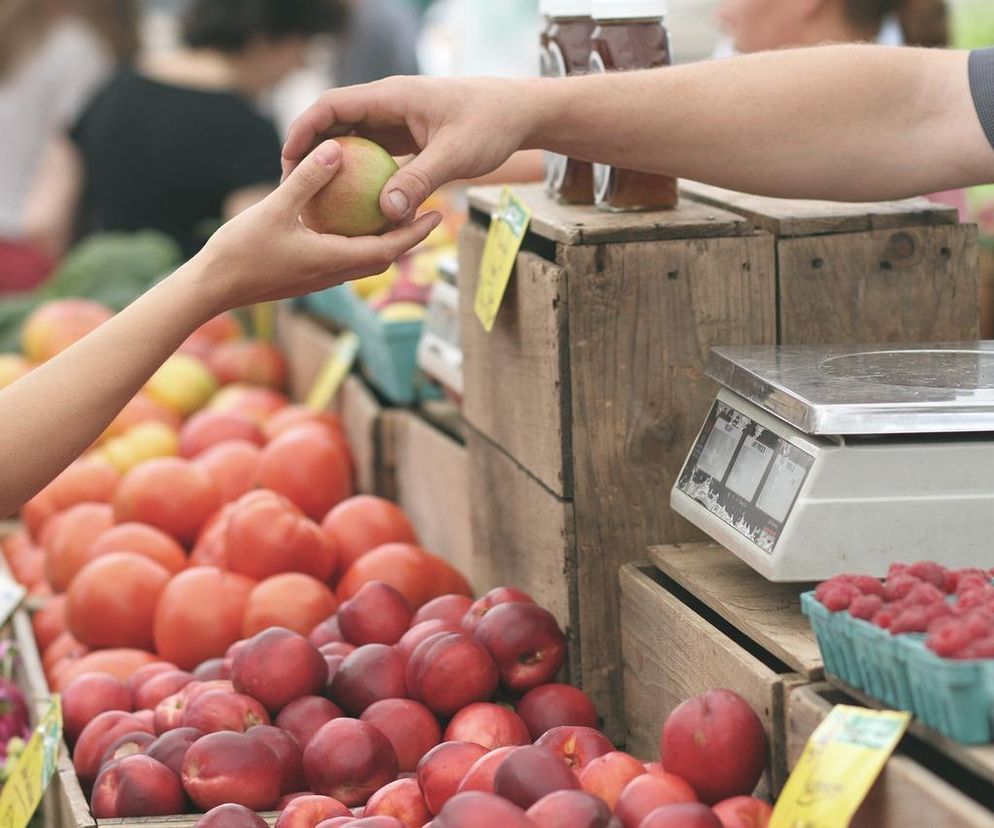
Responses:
[908,285]
[799,217]
[432,472]
[642,320]
[516,391]
[905,794]
[361,415]
[671,653]
[769,613]
[588,225]
[522,535]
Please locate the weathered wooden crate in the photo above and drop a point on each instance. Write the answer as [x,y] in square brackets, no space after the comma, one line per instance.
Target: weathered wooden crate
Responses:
[921,784]
[585,398]
[696,618]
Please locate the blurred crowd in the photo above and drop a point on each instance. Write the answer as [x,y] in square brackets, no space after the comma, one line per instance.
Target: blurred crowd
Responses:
[125,115]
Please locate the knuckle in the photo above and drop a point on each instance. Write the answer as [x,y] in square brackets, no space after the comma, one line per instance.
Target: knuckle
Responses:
[419,178]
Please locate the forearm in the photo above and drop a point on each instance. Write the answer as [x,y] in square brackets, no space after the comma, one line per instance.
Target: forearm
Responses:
[56,412]
[839,122]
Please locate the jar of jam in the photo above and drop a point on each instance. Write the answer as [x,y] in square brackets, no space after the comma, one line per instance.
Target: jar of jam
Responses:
[566,51]
[630,34]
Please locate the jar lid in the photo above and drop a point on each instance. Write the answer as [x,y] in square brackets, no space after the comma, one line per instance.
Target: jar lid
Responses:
[566,8]
[628,9]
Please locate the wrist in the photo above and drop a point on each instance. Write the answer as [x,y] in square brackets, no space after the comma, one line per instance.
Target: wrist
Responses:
[201,280]
[543,97]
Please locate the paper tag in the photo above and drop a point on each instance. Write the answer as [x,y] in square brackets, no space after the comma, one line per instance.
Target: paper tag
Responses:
[25,787]
[840,763]
[264,321]
[439,351]
[334,371]
[11,595]
[507,231]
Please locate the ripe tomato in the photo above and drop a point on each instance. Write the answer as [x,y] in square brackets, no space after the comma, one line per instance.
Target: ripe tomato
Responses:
[36,512]
[63,650]
[88,480]
[294,415]
[259,403]
[120,662]
[249,360]
[266,535]
[232,466]
[49,622]
[141,408]
[406,567]
[206,429]
[361,523]
[309,467]
[72,537]
[209,548]
[112,600]
[141,539]
[200,615]
[292,600]
[174,495]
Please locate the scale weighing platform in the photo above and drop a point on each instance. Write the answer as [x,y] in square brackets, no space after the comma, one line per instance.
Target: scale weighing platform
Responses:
[818,460]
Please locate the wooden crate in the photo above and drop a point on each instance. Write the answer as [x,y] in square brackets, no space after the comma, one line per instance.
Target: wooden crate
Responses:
[695,618]
[917,787]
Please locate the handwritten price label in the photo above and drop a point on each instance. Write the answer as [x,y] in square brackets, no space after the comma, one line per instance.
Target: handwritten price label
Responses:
[507,230]
[840,763]
[334,372]
[25,787]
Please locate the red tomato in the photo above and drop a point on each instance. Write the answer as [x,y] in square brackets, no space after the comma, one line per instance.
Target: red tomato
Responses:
[361,523]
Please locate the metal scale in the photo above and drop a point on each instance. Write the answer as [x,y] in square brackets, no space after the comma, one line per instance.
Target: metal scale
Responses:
[818,460]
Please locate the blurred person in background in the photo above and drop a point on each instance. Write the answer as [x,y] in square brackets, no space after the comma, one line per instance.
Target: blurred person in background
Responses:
[176,142]
[54,54]
[382,41]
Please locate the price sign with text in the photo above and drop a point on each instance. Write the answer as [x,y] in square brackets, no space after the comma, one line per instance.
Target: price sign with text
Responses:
[23,791]
[507,230]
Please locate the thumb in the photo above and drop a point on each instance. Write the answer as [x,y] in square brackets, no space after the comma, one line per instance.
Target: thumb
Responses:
[416,180]
[309,176]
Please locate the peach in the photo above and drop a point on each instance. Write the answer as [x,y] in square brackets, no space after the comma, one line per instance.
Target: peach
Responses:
[449,671]
[170,748]
[230,815]
[143,674]
[127,745]
[97,736]
[556,705]
[337,648]
[490,725]
[169,712]
[220,710]
[372,673]
[442,768]
[572,809]
[717,743]
[326,632]
[212,668]
[525,642]
[681,815]
[334,664]
[349,760]
[480,777]
[89,695]
[277,666]
[401,799]
[304,717]
[207,429]
[147,718]
[475,808]
[578,746]
[411,728]
[376,614]
[137,786]
[308,811]
[743,812]
[646,793]
[232,767]
[494,598]
[531,773]
[376,822]
[288,751]
[158,687]
[419,632]
[607,775]
[444,608]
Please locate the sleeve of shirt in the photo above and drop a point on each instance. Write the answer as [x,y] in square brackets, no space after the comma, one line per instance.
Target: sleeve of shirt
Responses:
[982,88]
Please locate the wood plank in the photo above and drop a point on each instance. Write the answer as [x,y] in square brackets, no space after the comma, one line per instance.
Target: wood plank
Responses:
[587,225]
[361,415]
[910,285]
[522,536]
[769,613]
[432,472]
[906,792]
[642,320]
[788,217]
[671,654]
[516,377]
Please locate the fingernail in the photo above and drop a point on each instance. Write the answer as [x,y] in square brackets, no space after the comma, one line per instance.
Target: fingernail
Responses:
[398,202]
[327,155]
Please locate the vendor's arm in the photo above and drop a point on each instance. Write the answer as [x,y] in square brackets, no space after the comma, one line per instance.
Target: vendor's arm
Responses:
[52,415]
[835,122]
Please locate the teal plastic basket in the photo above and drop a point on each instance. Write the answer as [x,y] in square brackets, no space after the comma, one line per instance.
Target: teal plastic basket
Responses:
[387,350]
[952,696]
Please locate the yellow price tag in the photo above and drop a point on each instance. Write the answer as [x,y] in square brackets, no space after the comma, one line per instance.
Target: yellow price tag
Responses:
[507,231]
[11,595]
[264,321]
[33,770]
[334,371]
[840,763]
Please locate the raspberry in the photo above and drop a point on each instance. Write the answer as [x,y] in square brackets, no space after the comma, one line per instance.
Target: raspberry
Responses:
[869,585]
[839,597]
[938,610]
[911,619]
[973,576]
[831,584]
[897,569]
[924,594]
[929,571]
[884,618]
[900,585]
[975,597]
[978,624]
[984,647]
[865,606]
[949,640]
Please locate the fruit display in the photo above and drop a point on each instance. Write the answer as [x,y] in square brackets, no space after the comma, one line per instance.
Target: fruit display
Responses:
[921,639]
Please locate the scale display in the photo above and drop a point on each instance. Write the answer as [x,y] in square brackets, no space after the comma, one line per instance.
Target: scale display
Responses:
[745,474]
